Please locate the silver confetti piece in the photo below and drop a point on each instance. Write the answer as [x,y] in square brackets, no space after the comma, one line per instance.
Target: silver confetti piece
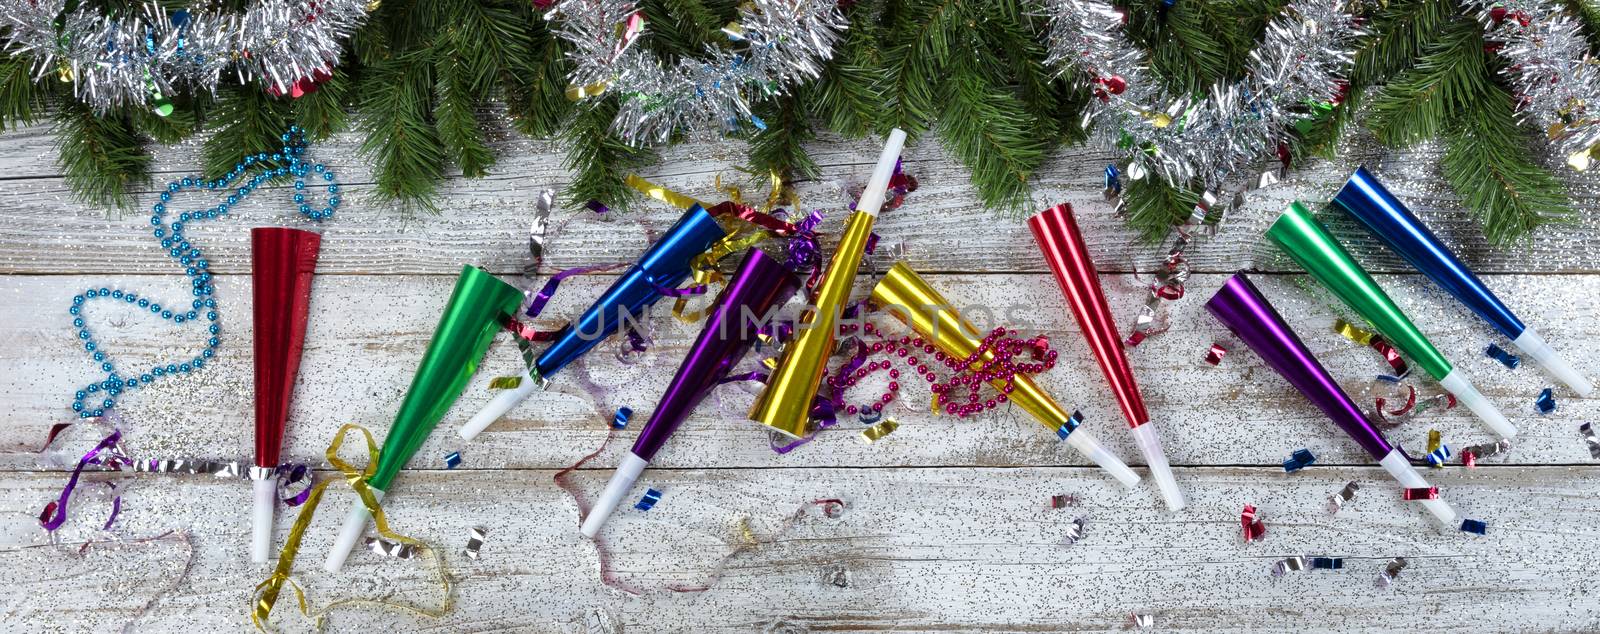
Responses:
[1143,621]
[1285,566]
[1590,439]
[475,537]
[391,549]
[837,576]
[536,230]
[1338,500]
[1390,571]
[1074,531]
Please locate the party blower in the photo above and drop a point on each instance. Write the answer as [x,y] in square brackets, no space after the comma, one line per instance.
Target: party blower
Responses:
[662,267]
[1389,219]
[1058,236]
[1240,306]
[478,307]
[910,299]
[785,405]
[1299,234]
[282,261]
[760,284]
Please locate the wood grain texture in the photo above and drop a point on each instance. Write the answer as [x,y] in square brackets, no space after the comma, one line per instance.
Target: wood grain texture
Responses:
[366,334]
[485,221]
[921,550]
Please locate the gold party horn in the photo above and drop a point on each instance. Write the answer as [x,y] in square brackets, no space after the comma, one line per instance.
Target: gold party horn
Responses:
[909,298]
[786,403]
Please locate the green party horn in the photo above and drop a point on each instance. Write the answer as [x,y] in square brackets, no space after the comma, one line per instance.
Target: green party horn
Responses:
[477,310]
[1299,234]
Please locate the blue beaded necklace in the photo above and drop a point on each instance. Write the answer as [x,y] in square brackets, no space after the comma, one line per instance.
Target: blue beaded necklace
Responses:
[195,266]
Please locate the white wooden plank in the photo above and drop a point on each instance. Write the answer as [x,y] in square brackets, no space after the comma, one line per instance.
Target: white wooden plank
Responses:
[367,334]
[925,550]
[485,221]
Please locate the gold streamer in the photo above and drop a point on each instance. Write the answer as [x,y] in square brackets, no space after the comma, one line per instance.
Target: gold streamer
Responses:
[1353,332]
[505,382]
[872,434]
[357,479]
[660,193]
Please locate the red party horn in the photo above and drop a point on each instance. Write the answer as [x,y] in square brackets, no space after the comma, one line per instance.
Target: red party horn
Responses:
[1058,236]
[282,261]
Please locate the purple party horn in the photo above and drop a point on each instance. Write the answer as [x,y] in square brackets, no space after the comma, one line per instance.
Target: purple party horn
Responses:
[760,285]
[1240,306]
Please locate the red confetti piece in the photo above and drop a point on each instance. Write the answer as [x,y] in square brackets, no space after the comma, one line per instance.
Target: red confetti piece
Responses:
[1420,493]
[1253,528]
[1215,354]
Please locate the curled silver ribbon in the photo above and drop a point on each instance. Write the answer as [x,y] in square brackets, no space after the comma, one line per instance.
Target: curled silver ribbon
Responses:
[1285,566]
[391,549]
[1338,500]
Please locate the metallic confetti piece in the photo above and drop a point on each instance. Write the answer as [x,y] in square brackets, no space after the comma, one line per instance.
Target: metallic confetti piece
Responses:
[1327,563]
[1499,354]
[1215,354]
[1390,571]
[475,536]
[884,428]
[391,549]
[831,508]
[1376,342]
[1338,500]
[537,228]
[1299,460]
[1143,621]
[1546,402]
[1113,182]
[1476,527]
[1063,501]
[620,420]
[651,497]
[452,460]
[1069,426]
[1470,455]
[837,576]
[1291,564]
[1590,439]
[1074,531]
[1438,452]
[1253,528]
[1419,493]
[505,382]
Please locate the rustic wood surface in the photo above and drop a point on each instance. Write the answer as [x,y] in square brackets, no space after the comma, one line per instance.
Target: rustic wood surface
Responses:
[946,525]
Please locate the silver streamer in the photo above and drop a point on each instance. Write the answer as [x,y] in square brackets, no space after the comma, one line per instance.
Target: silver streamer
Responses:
[1556,80]
[1390,571]
[1338,500]
[775,45]
[1291,564]
[137,58]
[1298,64]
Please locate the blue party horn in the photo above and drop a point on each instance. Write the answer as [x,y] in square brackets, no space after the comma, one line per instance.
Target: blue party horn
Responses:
[665,265]
[1389,219]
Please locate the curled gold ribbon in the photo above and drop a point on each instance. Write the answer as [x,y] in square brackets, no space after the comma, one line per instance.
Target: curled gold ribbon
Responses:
[267,591]
[660,193]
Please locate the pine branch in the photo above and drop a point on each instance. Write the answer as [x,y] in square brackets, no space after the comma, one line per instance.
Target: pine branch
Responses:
[166,130]
[1589,12]
[326,111]
[246,121]
[1153,207]
[1448,81]
[20,97]
[1012,33]
[1490,166]
[408,157]
[102,158]
[991,131]
[534,85]
[600,157]
[681,28]
[780,149]
[920,37]
[454,115]
[849,94]
[1192,45]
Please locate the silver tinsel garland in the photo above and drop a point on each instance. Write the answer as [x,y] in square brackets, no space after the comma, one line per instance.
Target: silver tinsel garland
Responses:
[776,45]
[1297,66]
[139,58]
[1556,81]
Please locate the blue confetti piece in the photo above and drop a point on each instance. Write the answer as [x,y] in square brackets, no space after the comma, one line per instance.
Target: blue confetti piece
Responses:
[758,123]
[620,421]
[1546,402]
[1499,354]
[1327,563]
[1299,460]
[452,460]
[1440,456]
[1113,183]
[1070,426]
[651,496]
[1476,527]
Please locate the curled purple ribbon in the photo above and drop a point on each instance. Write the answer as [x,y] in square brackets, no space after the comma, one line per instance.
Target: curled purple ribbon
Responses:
[56,511]
[549,290]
